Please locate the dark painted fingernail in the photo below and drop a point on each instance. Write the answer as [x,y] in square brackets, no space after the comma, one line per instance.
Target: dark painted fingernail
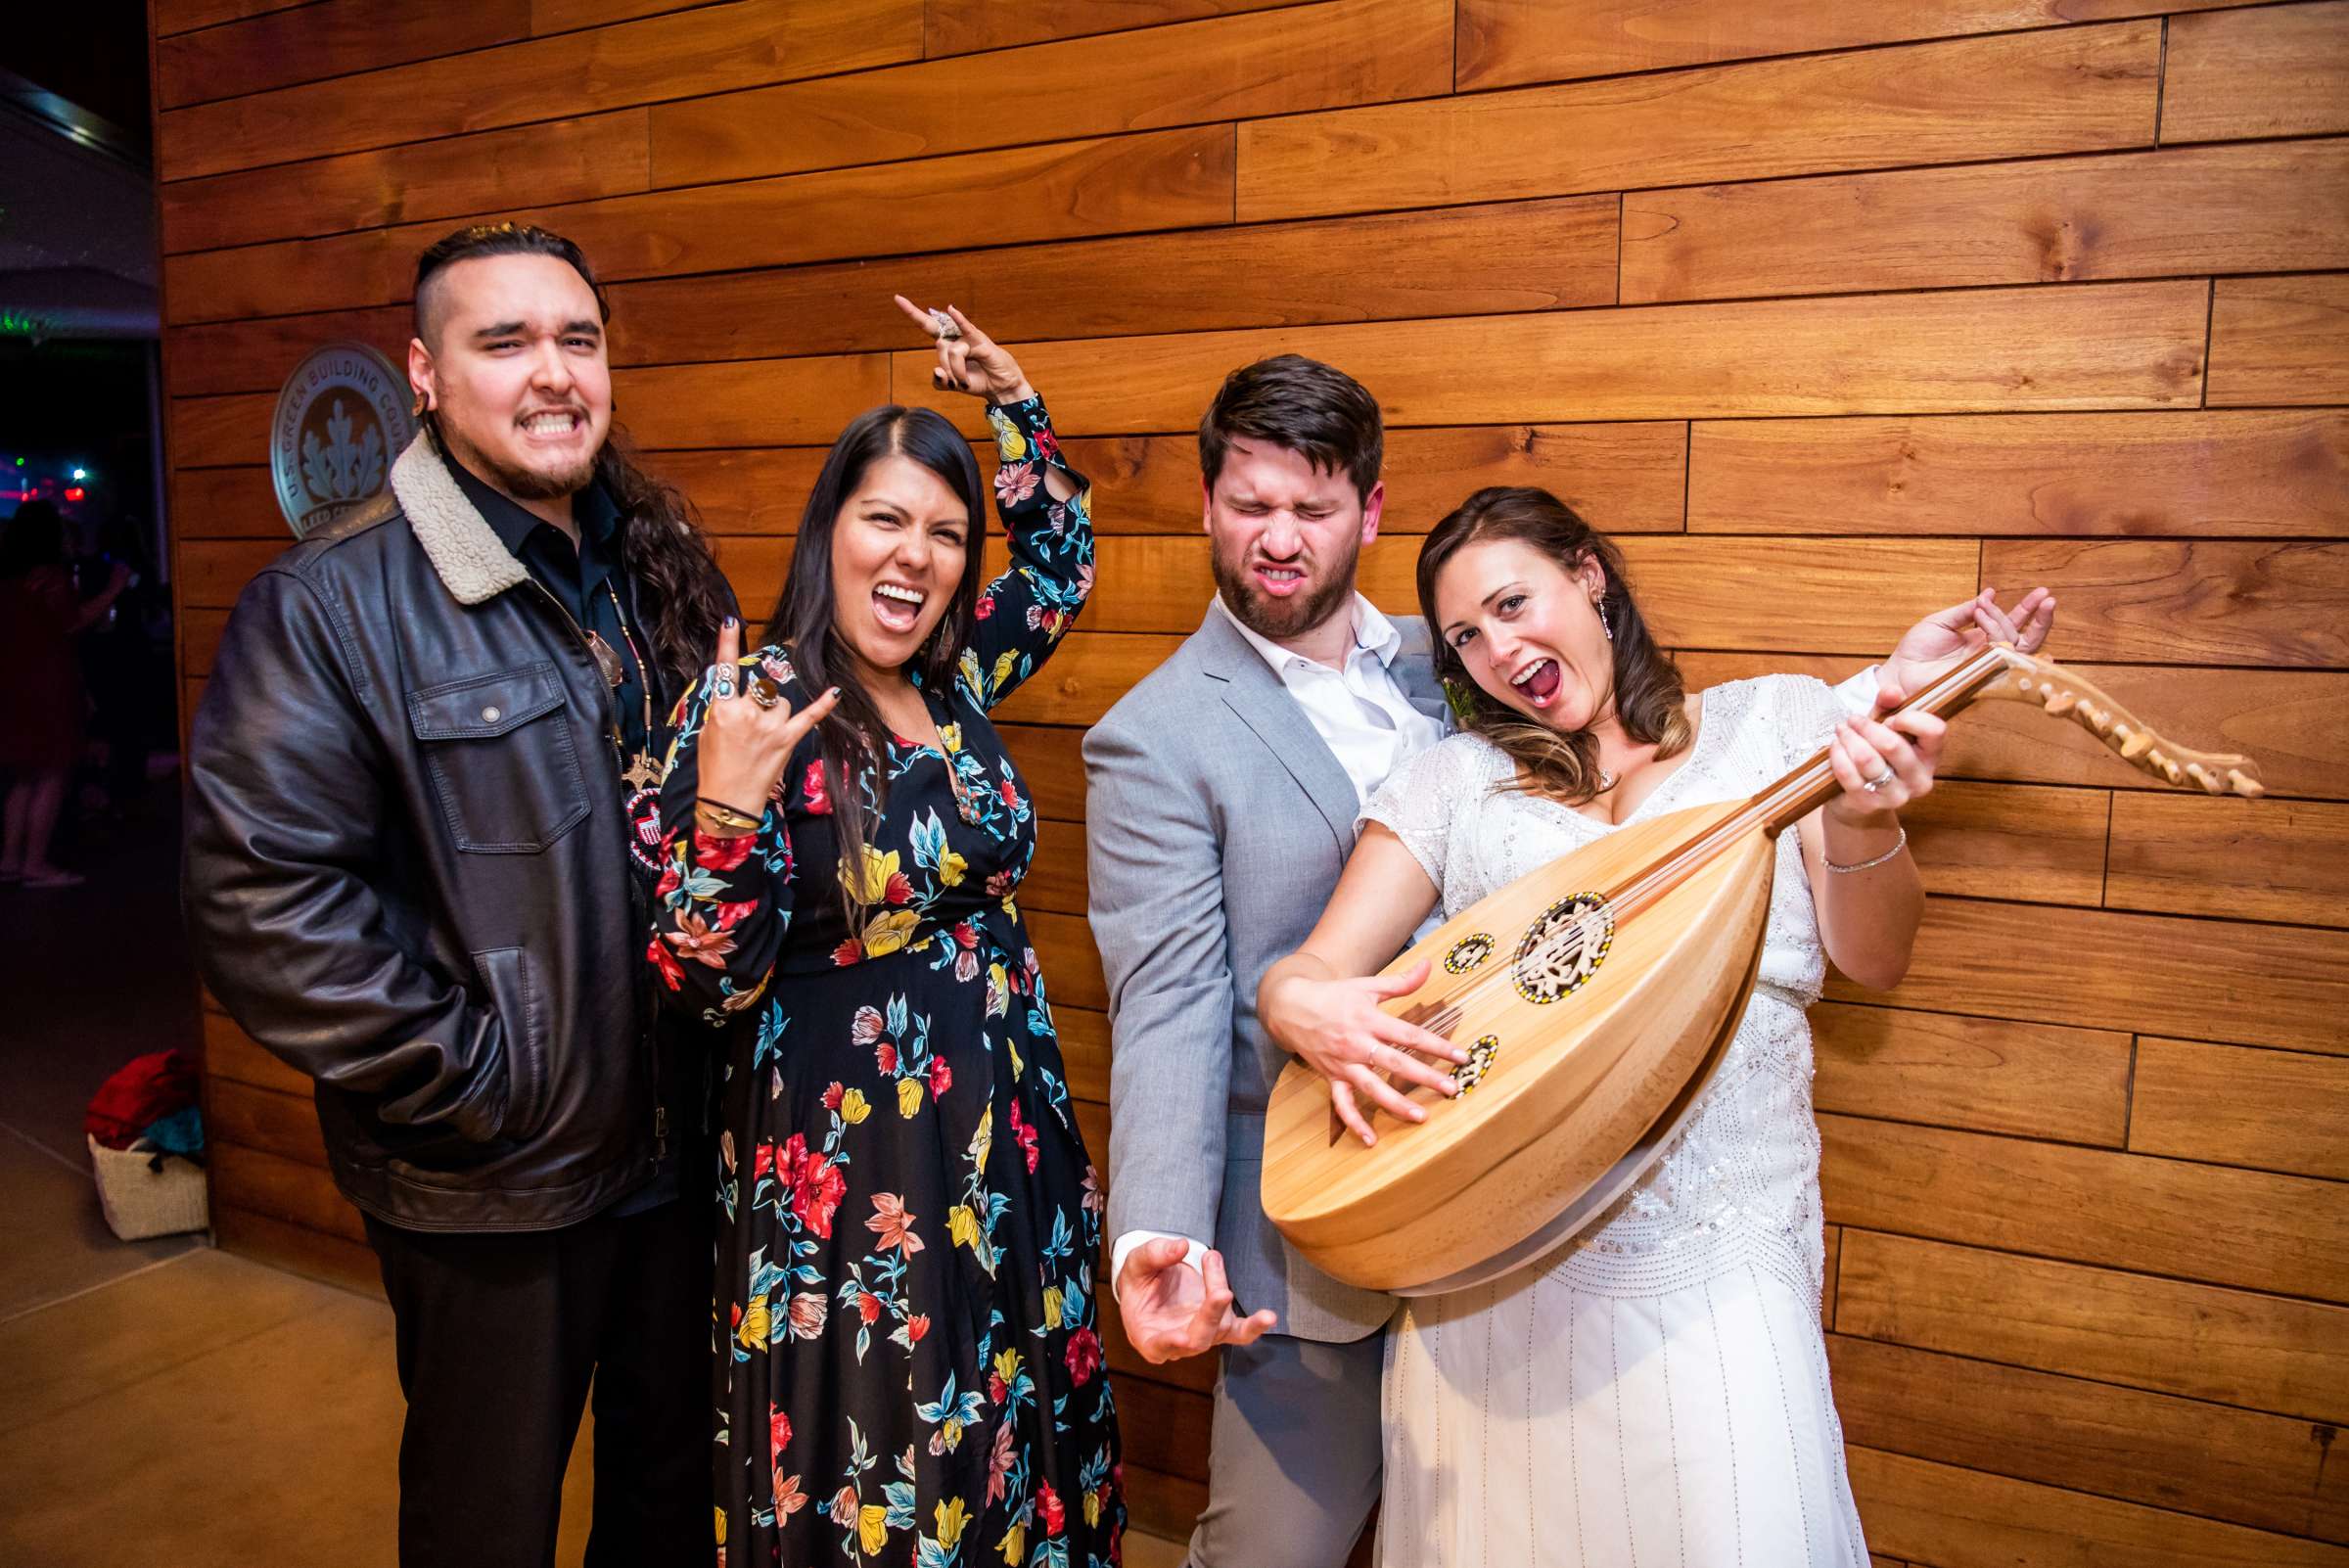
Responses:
[731,623]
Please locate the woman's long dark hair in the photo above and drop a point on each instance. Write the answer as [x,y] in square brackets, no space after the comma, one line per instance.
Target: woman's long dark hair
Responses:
[1647,690]
[806,616]
[681,594]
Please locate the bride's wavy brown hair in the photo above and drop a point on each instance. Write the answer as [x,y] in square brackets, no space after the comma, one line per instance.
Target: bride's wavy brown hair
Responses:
[1648,692]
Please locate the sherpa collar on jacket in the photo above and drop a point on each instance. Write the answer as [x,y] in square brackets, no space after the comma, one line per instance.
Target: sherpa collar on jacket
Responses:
[473,562]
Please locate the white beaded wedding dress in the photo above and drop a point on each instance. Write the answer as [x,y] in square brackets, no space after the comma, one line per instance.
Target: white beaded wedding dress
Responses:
[1656,1391]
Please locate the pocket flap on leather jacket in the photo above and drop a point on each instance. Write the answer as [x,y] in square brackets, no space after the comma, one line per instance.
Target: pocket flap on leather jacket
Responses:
[485,706]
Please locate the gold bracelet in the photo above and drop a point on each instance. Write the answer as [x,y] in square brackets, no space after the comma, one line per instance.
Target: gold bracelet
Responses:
[712,815]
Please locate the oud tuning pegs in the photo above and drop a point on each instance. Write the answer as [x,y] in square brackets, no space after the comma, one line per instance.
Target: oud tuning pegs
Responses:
[2134,743]
[2210,782]
[2061,703]
[2243,784]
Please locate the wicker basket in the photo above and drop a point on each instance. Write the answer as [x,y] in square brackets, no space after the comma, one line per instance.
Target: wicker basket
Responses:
[145,1198]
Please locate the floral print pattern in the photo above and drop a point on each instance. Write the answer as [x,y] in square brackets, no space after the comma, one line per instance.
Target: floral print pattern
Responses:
[910,1365]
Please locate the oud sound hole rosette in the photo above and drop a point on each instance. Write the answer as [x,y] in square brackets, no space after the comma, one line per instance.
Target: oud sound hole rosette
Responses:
[1471,1071]
[1468,952]
[1563,949]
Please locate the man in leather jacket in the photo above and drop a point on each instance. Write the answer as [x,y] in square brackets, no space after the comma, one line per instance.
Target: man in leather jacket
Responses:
[418,869]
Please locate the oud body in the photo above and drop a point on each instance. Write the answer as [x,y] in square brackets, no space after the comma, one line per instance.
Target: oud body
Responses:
[1595,998]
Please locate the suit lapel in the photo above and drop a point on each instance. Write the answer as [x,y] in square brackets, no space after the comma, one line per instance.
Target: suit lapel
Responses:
[1414,670]
[1261,702]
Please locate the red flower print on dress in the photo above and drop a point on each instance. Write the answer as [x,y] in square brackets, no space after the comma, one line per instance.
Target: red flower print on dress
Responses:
[723,855]
[885,1058]
[1084,1356]
[848,953]
[762,1160]
[868,1306]
[942,1077]
[1050,1510]
[915,1327]
[833,1093]
[966,935]
[671,972]
[1011,795]
[695,939]
[671,881]
[730,915]
[892,1225]
[812,788]
[1025,1136]
[816,1186]
[987,606]
[1015,483]
[1047,444]
[1000,883]
[900,890]
[778,1432]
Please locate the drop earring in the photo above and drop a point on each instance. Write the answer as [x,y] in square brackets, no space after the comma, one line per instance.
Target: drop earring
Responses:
[1600,605]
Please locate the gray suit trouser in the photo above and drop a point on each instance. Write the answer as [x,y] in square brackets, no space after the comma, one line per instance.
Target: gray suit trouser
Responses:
[1294,1466]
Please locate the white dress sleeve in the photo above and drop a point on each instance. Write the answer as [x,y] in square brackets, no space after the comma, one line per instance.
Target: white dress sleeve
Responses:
[1422,800]
[1808,711]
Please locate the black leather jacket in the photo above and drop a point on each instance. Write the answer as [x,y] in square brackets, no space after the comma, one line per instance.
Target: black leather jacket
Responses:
[405,871]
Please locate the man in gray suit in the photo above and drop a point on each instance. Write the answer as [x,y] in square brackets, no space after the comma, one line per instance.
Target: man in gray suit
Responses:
[1221,798]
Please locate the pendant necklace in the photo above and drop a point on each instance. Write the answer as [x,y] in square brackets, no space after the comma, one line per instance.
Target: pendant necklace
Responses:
[642,772]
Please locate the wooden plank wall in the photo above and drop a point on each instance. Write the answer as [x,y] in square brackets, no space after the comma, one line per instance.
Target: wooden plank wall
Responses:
[1835,313]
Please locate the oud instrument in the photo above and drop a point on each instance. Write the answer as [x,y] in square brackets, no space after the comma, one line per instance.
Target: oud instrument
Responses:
[1595,996]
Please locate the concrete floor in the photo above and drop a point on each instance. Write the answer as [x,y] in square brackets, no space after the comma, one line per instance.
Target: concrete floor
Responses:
[161,1401]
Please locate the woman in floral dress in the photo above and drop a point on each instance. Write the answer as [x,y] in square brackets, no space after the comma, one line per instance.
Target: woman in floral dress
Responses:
[908,1367]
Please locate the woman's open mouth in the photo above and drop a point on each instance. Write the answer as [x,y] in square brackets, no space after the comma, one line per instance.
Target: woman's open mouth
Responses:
[897,607]
[1538,683]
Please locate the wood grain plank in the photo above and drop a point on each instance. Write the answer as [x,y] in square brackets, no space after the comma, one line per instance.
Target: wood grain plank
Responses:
[1987,1075]
[1163,1504]
[283,1124]
[1506,42]
[1313,57]
[756,402]
[2283,986]
[2228,1105]
[529,165]
[2295,722]
[207,432]
[2272,71]
[1083,1036]
[2234,859]
[1072,967]
[333,38]
[743,491]
[1164,1428]
[2209,602]
[2088,346]
[2266,1471]
[256,356]
[1693,594]
[186,16]
[1510,257]
[1056,879]
[1051,766]
[2280,340]
[1161,179]
[566,15]
[966,27]
[214,572]
[223,503]
[297,1249]
[282,1189]
[230,1054]
[1088,672]
[199,634]
[2233,1347]
[1833,1254]
[746,45]
[2068,90]
[2247,1228]
[1955,1517]
[2011,841]
[2261,473]
[2123,215]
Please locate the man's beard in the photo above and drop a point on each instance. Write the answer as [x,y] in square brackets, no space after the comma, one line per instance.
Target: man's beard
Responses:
[1277,618]
[533,485]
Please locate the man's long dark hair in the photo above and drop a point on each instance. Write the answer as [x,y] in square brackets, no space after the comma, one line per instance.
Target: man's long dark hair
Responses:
[808,615]
[681,594]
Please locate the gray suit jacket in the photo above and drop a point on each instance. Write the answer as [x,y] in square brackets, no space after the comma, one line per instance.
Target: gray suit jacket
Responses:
[1217,824]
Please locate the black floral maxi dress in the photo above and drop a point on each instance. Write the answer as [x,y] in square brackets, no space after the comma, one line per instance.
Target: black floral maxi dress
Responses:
[907,1364]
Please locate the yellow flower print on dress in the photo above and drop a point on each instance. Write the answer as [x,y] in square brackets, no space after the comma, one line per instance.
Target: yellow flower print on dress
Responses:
[1005,664]
[1014,1544]
[752,1333]
[949,736]
[951,1518]
[951,869]
[872,1529]
[1052,1306]
[963,1225]
[1009,443]
[909,1096]
[872,885]
[854,1107]
[884,933]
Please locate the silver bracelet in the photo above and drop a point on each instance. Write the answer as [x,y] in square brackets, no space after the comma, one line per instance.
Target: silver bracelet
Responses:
[1899,844]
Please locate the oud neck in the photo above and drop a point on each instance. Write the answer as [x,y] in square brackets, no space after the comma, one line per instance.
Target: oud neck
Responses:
[1811,785]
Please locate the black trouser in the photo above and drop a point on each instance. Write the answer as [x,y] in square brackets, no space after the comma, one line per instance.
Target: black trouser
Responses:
[498,1335]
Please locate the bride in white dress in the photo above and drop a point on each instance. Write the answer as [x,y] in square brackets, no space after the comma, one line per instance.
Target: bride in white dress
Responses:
[1656,1391]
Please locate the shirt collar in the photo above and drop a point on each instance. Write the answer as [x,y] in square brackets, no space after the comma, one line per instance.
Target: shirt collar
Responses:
[1372,631]
[594,509]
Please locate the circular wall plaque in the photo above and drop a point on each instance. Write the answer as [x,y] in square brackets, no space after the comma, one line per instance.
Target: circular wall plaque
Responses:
[341,418]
